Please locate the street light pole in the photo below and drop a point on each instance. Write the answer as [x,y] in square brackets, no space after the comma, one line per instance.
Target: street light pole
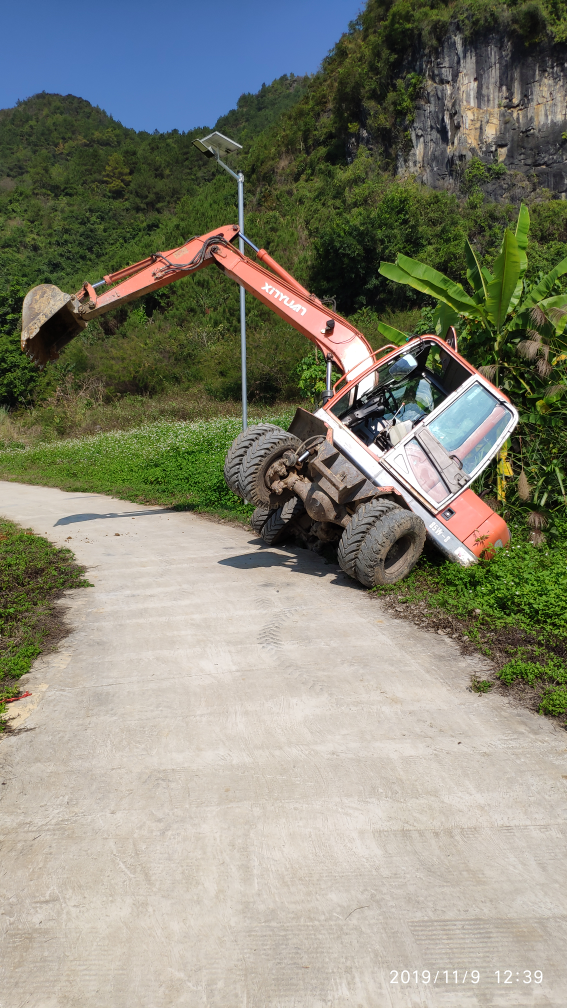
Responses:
[242,305]
[212,146]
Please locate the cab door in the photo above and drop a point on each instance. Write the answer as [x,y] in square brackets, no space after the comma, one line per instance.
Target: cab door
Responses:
[446,452]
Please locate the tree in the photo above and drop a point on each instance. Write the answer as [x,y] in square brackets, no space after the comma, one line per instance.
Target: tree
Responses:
[503,312]
[116,175]
[312,376]
[18,376]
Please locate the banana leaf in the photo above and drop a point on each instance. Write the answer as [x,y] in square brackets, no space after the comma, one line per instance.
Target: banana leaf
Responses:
[522,231]
[427,280]
[443,317]
[420,271]
[516,296]
[559,301]
[522,322]
[507,269]
[545,286]
[391,334]
[474,274]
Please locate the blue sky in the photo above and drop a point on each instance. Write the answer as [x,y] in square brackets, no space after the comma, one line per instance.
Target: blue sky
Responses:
[163,65]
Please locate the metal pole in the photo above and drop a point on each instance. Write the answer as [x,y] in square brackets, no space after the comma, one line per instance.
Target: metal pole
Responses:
[240,179]
[328,393]
[242,305]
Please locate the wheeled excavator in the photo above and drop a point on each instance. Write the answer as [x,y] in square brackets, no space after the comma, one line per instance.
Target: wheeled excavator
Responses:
[389,458]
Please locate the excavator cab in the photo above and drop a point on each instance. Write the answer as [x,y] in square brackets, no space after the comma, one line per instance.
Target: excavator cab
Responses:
[382,408]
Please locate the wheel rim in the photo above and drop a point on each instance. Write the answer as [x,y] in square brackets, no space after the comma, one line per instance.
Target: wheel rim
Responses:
[396,555]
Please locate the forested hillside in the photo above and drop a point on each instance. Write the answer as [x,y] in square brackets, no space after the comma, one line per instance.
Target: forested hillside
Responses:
[81,195]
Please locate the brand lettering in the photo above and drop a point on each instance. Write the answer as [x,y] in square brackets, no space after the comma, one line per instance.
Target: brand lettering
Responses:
[283,297]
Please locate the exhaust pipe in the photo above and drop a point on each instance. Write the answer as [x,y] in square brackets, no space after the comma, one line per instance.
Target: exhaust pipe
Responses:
[50,320]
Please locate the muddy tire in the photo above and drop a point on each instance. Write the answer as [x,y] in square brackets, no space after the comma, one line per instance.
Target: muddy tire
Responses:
[357,530]
[237,452]
[260,517]
[260,456]
[280,523]
[390,549]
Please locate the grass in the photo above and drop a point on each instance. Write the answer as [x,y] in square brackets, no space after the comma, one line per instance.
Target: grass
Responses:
[173,463]
[33,576]
[512,609]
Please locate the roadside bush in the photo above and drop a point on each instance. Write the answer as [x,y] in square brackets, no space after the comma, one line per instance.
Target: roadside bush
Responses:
[554,702]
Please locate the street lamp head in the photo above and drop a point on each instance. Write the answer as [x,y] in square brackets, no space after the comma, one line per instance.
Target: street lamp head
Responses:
[204,150]
[216,144]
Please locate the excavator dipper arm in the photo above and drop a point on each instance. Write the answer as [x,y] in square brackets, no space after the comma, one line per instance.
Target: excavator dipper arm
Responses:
[50,319]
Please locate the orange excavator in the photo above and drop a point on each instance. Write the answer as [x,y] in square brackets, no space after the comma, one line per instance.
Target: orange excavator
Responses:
[386,461]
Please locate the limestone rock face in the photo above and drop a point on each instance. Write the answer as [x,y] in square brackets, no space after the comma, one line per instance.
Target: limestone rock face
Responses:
[496,99]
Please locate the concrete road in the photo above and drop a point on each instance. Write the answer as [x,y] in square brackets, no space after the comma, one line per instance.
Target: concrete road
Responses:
[241,784]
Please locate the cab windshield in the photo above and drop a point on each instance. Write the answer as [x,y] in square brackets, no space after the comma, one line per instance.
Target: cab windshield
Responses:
[428,375]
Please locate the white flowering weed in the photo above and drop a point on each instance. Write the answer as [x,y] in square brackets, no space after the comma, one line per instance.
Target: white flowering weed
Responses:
[168,462]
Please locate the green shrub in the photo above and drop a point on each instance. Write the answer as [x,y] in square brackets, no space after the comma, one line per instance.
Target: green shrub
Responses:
[523,586]
[533,672]
[531,21]
[554,702]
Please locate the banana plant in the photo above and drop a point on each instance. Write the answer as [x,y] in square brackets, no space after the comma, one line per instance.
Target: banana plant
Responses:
[501,308]
[502,318]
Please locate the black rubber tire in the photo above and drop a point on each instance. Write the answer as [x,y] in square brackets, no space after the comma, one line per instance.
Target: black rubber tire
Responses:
[260,517]
[390,549]
[280,523]
[260,456]
[238,450]
[357,529]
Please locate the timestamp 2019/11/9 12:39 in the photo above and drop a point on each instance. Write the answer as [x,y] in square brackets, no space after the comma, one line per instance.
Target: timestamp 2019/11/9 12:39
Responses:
[465,976]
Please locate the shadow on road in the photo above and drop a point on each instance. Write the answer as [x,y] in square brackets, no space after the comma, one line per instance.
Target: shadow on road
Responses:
[249,561]
[311,563]
[72,519]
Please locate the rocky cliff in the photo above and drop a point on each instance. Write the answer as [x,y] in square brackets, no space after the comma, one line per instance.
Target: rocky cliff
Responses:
[495,99]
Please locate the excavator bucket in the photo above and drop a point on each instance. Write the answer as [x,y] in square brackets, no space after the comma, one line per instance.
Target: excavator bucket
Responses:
[50,320]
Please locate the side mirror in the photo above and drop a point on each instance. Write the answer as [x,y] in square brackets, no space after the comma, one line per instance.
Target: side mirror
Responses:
[403,366]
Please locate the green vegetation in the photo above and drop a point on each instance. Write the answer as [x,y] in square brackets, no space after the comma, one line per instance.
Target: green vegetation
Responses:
[522,586]
[312,377]
[513,331]
[551,676]
[481,685]
[33,576]
[177,464]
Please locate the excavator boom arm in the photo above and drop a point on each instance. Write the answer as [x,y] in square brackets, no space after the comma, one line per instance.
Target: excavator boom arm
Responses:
[45,331]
